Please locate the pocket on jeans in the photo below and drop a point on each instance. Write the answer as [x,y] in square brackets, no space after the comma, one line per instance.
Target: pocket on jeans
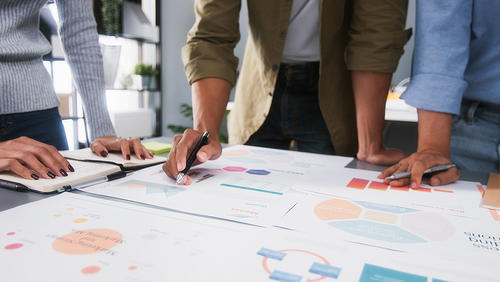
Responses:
[457,121]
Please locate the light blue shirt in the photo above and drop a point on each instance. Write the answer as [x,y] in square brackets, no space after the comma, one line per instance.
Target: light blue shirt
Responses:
[457,54]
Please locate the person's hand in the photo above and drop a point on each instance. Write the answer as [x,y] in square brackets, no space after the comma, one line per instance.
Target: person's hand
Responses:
[382,157]
[31,159]
[416,164]
[105,144]
[182,146]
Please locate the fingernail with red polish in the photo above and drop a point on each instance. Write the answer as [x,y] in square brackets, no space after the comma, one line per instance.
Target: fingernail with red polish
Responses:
[51,174]
[34,176]
[71,168]
[127,157]
[63,172]
[413,185]
[142,156]
[104,153]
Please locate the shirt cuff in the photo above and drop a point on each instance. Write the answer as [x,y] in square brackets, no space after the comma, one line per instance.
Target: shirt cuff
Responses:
[378,52]
[434,92]
[204,60]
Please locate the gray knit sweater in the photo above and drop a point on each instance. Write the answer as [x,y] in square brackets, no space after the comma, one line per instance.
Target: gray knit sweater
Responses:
[25,84]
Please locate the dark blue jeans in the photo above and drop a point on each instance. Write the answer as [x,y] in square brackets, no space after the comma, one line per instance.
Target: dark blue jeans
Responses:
[295,113]
[44,126]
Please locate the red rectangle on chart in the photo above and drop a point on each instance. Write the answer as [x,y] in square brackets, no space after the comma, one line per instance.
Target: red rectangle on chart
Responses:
[441,190]
[378,186]
[401,188]
[358,183]
[421,189]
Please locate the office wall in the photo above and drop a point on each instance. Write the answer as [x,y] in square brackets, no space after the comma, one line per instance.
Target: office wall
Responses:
[177,17]
[404,67]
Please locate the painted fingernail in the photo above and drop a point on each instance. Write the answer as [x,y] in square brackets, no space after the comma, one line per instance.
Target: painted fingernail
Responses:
[143,156]
[51,174]
[63,172]
[104,153]
[34,176]
[127,157]
[413,185]
[71,168]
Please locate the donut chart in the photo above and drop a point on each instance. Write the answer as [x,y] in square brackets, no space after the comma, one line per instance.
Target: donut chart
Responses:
[384,222]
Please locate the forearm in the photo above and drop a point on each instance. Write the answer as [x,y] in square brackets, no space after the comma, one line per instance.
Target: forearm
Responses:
[370,93]
[434,131]
[81,46]
[210,97]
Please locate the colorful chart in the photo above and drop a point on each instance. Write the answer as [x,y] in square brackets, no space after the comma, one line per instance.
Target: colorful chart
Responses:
[88,241]
[314,266]
[373,273]
[13,246]
[251,189]
[256,156]
[91,269]
[361,184]
[234,168]
[384,222]
[258,172]
[152,188]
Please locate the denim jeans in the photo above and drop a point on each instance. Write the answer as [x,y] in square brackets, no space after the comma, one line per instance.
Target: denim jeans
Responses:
[295,113]
[475,137]
[44,126]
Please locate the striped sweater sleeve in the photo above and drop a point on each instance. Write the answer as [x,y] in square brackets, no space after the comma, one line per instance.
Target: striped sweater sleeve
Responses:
[81,46]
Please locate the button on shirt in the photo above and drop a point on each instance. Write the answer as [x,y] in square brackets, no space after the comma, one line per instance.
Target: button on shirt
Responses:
[456,55]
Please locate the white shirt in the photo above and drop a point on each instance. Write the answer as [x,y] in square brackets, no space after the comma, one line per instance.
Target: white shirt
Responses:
[302,38]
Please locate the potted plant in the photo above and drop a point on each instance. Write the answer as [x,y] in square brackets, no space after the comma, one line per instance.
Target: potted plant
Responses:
[144,77]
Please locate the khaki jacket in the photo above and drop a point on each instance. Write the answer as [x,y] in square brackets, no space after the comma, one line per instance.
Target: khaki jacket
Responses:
[354,35]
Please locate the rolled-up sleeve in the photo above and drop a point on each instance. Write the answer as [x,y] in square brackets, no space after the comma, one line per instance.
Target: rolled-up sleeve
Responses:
[377,35]
[443,33]
[209,51]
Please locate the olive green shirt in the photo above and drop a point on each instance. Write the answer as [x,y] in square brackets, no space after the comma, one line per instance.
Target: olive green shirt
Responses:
[365,35]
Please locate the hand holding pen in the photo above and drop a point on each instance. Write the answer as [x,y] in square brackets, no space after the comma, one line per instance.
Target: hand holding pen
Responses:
[191,148]
[410,170]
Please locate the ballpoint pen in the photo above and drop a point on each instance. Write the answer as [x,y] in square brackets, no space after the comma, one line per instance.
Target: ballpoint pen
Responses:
[83,184]
[12,186]
[192,156]
[429,170]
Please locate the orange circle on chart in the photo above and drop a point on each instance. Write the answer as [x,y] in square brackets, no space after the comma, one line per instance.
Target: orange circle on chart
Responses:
[91,269]
[57,215]
[132,267]
[69,209]
[87,241]
[336,209]
[80,220]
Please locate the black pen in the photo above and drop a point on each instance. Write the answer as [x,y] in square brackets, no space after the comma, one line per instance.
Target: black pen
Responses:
[12,186]
[95,181]
[192,156]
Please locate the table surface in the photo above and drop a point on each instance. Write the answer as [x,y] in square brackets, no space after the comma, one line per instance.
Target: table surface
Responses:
[10,199]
